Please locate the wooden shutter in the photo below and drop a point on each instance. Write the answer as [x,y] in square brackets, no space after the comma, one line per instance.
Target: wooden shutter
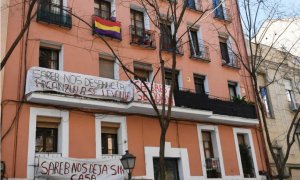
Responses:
[106,68]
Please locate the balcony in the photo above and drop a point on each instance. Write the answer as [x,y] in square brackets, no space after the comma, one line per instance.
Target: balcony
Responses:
[52,14]
[202,54]
[142,37]
[223,14]
[193,100]
[232,61]
[213,168]
[166,45]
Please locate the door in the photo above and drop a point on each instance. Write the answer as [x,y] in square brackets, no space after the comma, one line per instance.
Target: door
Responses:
[171,168]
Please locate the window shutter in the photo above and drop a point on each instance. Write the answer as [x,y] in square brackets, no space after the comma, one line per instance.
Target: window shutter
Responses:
[47,122]
[106,68]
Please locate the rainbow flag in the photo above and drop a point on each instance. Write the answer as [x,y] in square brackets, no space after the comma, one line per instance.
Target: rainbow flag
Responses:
[107,28]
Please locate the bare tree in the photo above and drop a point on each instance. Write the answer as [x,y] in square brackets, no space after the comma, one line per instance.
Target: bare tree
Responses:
[171,15]
[257,17]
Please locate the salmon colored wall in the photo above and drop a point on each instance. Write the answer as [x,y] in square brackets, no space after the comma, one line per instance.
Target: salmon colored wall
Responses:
[82,135]
[228,150]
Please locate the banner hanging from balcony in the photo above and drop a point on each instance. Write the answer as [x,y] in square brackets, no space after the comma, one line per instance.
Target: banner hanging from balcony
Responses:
[71,168]
[107,28]
[43,79]
[156,92]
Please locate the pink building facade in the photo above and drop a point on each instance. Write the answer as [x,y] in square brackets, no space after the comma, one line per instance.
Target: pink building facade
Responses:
[66,97]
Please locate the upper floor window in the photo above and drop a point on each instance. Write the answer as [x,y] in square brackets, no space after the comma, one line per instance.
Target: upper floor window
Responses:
[219,12]
[137,22]
[194,43]
[199,84]
[166,36]
[49,58]
[102,9]
[232,88]
[191,4]
[224,51]
[290,94]
[266,100]
[168,78]
[142,71]
[107,69]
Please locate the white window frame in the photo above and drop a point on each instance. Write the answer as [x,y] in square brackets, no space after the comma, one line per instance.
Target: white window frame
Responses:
[63,134]
[116,69]
[237,88]
[248,137]
[206,85]
[216,147]
[122,132]
[56,46]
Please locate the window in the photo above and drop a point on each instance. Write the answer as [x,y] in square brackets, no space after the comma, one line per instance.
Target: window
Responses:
[191,4]
[165,32]
[290,94]
[171,164]
[137,23]
[219,12]
[102,9]
[109,138]
[49,58]
[199,84]
[168,78]
[52,6]
[224,51]
[265,97]
[107,68]
[46,134]
[232,87]
[142,71]
[194,44]
[246,156]
[207,145]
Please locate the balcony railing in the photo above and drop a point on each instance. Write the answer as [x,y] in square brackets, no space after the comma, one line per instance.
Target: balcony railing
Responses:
[233,61]
[53,14]
[222,14]
[167,46]
[193,100]
[202,54]
[213,168]
[142,37]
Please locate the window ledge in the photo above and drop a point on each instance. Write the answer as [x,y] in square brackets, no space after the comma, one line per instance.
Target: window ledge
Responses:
[168,51]
[194,10]
[225,20]
[231,66]
[200,59]
[143,46]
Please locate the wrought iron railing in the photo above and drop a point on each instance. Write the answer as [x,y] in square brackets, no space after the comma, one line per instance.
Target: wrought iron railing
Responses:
[54,14]
[203,52]
[222,13]
[189,99]
[213,169]
[142,37]
[232,61]
[166,45]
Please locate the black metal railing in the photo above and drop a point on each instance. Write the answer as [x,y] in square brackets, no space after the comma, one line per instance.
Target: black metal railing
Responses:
[54,14]
[213,169]
[222,13]
[232,61]
[188,99]
[142,37]
[202,53]
[167,46]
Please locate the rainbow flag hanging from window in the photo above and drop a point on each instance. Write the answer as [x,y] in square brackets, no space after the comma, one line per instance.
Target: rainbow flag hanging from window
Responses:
[107,28]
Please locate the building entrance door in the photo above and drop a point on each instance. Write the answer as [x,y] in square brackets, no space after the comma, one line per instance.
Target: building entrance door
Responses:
[171,168]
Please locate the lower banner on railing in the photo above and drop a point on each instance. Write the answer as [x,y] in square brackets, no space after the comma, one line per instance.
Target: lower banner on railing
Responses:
[79,169]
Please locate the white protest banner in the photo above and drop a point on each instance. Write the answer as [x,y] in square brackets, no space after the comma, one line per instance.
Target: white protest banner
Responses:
[43,79]
[79,169]
[157,90]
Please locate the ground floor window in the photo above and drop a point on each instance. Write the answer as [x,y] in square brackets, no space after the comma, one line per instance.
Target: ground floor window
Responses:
[171,168]
[246,156]
[109,137]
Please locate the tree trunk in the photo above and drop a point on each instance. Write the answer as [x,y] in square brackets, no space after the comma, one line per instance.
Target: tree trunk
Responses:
[162,166]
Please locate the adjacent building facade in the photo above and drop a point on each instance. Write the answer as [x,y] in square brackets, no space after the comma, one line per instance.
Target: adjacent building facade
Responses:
[66,99]
[279,88]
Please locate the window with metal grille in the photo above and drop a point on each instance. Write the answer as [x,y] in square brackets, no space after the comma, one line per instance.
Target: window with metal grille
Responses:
[199,84]
[46,134]
[137,23]
[49,58]
[102,9]
[109,138]
[166,36]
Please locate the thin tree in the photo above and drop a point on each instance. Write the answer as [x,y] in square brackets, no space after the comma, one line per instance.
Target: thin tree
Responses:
[257,18]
